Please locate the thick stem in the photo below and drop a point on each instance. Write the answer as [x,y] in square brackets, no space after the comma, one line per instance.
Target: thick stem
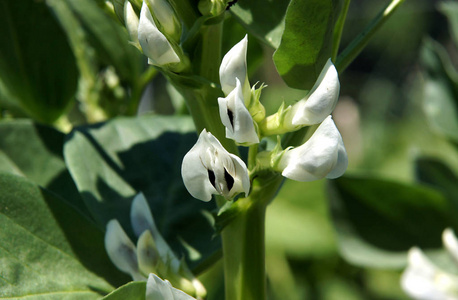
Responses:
[360,42]
[244,243]
[244,254]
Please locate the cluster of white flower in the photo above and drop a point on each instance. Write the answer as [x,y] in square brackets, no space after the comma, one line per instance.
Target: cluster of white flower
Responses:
[422,280]
[209,169]
[151,256]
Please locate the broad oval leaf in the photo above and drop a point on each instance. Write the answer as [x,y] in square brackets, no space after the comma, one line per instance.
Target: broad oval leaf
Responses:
[112,162]
[307,41]
[37,66]
[377,221]
[48,250]
[263,19]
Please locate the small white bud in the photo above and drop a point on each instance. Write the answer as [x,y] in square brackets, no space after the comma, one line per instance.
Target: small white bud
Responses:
[320,102]
[154,43]
[323,155]
[156,288]
[234,66]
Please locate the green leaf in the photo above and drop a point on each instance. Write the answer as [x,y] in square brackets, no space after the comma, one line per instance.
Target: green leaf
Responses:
[377,221]
[133,290]
[307,40]
[112,162]
[36,63]
[263,19]
[440,90]
[48,250]
[35,152]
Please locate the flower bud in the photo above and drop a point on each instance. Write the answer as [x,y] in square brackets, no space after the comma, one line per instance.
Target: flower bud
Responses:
[320,102]
[131,21]
[212,7]
[121,250]
[234,66]
[154,43]
[209,169]
[166,18]
[323,155]
[156,288]
[236,117]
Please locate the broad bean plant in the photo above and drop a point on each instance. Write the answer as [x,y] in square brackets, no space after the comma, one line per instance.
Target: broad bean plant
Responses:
[101,201]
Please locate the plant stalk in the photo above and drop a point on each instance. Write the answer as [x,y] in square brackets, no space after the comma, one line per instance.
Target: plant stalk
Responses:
[360,42]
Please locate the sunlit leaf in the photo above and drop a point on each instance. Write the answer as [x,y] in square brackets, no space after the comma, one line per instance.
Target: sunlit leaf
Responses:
[306,43]
[35,151]
[263,19]
[48,250]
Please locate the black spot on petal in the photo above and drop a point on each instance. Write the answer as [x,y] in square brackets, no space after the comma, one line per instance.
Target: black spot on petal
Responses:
[211,177]
[231,117]
[229,179]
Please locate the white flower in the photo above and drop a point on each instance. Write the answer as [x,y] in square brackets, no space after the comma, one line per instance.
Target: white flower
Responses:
[323,155]
[209,169]
[236,117]
[321,101]
[234,66]
[422,280]
[158,289]
[154,44]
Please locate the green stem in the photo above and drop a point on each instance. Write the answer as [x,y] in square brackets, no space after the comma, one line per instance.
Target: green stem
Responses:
[211,51]
[339,29]
[244,243]
[360,42]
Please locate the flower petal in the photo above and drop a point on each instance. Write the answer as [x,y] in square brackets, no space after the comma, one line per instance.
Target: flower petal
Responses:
[140,215]
[322,155]
[195,173]
[424,281]
[154,44]
[451,243]
[158,289]
[234,66]
[147,253]
[121,250]
[236,117]
[321,101]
